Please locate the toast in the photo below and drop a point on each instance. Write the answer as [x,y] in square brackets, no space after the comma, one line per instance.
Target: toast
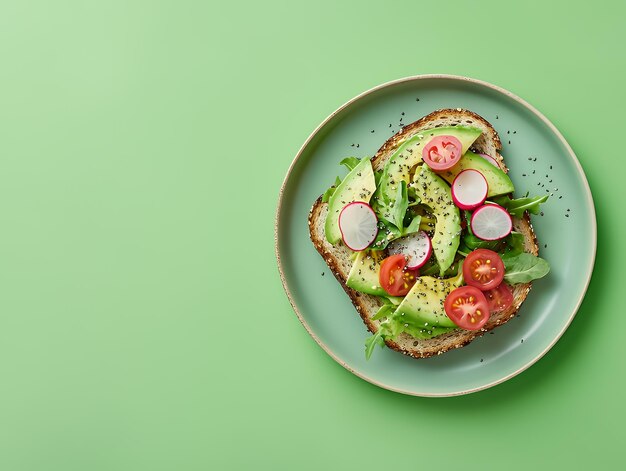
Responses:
[338,258]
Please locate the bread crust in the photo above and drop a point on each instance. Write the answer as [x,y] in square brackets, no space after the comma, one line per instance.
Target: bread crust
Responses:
[337,257]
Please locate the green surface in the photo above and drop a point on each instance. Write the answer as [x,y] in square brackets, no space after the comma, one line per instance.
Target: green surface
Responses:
[123,341]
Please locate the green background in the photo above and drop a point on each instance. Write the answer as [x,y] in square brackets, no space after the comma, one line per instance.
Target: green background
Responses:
[143,325]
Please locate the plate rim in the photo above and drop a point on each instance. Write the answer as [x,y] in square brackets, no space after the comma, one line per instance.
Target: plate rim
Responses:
[533,110]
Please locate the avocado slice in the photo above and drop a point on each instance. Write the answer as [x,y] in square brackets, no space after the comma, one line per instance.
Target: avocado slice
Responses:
[358,185]
[498,182]
[423,306]
[435,194]
[407,156]
[364,273]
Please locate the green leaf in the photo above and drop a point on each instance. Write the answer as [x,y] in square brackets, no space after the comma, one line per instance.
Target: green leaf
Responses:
[371,342]
[377,176]
[328,193]
[524,267]
[386,233]
[350,162]
[472,242]
[384,311]
[517,206]
[400,205]
[413,196]
[515,245]
[414,226]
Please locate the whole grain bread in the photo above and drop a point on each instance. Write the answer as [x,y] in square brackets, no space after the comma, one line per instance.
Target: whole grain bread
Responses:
[338,258]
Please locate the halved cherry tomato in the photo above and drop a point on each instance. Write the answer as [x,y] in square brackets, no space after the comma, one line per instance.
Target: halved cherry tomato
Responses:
[483,269]
[393,276]
[467,307]
[500,298]
[442,152]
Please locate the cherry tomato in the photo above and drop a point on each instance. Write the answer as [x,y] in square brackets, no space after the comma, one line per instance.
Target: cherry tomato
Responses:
[467,307]
[500,298]
[394,277]
[483,269]
[442,152]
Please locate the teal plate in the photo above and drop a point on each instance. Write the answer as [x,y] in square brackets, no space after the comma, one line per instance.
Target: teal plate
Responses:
[540,161]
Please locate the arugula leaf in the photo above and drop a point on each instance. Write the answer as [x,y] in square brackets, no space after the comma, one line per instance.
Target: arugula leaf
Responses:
[517,206]
[515,245]
[350,162]
[378,174]
[328,193]
[414,226]
[385,310]
[472,242]
[400,205]
[386,233]
[371,342]
[524,267]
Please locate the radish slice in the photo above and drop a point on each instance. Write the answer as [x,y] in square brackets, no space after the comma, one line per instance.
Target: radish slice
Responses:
[469,189]
[358,225]
[491,222]
[490,159]
[416,247]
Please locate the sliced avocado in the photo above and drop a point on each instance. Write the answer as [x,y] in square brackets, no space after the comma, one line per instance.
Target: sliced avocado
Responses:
[423,307]
[358,185]
[408,155]
[363,275]
[499,182]
[435,193]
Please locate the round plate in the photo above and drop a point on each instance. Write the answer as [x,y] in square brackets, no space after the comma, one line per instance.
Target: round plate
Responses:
[540,162]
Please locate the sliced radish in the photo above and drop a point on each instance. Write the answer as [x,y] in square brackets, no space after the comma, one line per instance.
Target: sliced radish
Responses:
[469,189]
[490,159]
[358,225]
[491,222]
[416,247]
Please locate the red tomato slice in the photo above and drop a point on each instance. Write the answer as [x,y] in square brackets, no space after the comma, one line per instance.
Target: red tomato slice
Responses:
[483,269]
[393,276]
[467,307]
[442,152]
[500,298]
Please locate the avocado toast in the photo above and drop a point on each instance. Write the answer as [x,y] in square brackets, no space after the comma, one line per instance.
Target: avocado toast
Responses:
[407,195]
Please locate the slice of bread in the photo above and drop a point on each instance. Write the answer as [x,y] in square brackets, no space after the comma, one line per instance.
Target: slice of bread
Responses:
[339,261]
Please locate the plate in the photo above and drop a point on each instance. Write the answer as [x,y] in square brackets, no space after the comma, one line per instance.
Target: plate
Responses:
[540,161]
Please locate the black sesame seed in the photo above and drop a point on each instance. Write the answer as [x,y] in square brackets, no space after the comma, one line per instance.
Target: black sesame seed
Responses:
[560,197]
[550,167]
[496,116]
[547,176]
[533,172]
[523,174]
[357,145]
[535,159]
[522,341]
[567,215]
[514,132]
[508,132]
[481,360]
[568,209]
[541,213]
[352,145]
[545,246]
[372,130]
[402,113]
